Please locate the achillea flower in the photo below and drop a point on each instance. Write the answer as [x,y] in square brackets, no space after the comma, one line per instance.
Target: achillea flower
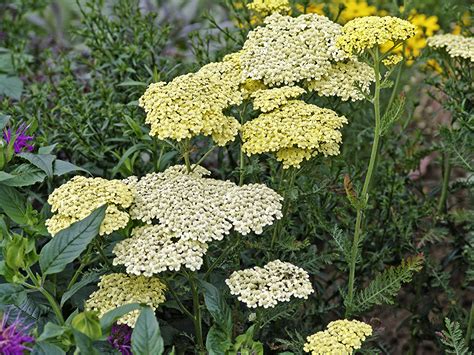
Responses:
[264,287]
[77,198]
[392,60]
[20,139]
[13,337]
[341,337]
[153,248]
[116,290]
[193,104]
[267,7]
[295,131]
[456,46]
[349,80]
[365,33]
[290,49]
[121,338]
[203,209]
[268,100]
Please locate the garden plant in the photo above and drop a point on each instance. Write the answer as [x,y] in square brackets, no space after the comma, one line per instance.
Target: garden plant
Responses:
[236,177]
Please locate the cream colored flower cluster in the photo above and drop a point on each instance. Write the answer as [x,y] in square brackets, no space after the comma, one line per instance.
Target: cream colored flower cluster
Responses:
[153,248]
[392,60]
[116,290]
[77,198]
[341,337]
[349,80]
[277,281]
[295,131]
[367,32]
[203,209]
[268,100]
[193,104]
[267,7]
[457,46]
[290,49]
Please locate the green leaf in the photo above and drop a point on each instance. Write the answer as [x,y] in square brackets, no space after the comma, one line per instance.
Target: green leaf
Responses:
[13,204]
[12,294]
[86,279]
[51,330]
[47,149]
[84,343]
[132,83]
[44,348]
[109,318]
[22,175]
[453,339]
[42,161]
[69,243]
[11,86]
[393,114]
[62,167]
[4,121]
[218,308]
[146,336]
[87,323]
[217,342]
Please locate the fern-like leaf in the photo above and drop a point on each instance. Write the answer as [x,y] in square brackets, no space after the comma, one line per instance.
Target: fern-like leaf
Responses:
[385,286]
[453,339]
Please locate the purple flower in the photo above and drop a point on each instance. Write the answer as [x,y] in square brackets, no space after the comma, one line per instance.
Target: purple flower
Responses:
[13,337]
[121,338]
[20,139]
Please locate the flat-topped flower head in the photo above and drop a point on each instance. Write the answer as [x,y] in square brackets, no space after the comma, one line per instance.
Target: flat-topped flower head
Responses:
[77,198]
[203,209]
[116,290]
[153,249]
[341,337]
[363,33]
[267,7]
[348,80]
[277,281]
[193,104]
[456,46]
[268,100]
[290,49]
[295,131]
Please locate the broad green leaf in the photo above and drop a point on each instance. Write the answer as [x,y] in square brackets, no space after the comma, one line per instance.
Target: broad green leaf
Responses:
[13,204]
[109,318]
[62,167]
[146,336]
[69,243]
[11,86]
[217,307]
[4,121]
[87,323]
[86,279]
[84,343]
[51,330]
[47,150]
[217,342]
[22,175]
[44,348]
[12,294]
[42,161]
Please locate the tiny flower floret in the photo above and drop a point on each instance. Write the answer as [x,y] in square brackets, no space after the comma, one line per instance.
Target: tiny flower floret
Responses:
[457,46]
[268,100]
[116,290]
[77,198]
[341,337]
[267,7]
[277,281]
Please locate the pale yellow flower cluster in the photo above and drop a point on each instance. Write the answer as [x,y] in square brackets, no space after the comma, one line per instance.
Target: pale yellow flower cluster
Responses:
[116,290]
[264,287]
[290,49]
[457,46]
[153,249]
[77,198]
[268,100]
[295,131]
[266,7]
[193,104]
[203,209]
[392,60]
[341,337]
[364,33]
[349,80]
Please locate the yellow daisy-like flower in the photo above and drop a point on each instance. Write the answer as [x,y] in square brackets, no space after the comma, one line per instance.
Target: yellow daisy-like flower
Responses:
[365,33]
[267,7]
[352,9]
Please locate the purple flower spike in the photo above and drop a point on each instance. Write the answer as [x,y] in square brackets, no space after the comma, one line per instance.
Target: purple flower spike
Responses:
[13,337]
[121,338]
[20,139]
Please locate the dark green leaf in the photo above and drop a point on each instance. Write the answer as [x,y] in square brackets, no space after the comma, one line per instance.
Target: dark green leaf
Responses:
[217,342]
[109,318]
[4,121]
[42,161]
[69,243]
[47,150]
[87,323]
[86,279]
[84,343]
[44,348]
[11,86]
[51,330]
[13,204]
[217,307]
[146,336]
[22,175]
[62,167]
[12,294]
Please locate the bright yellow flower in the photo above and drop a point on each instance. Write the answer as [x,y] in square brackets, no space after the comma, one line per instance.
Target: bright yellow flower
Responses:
[352,9]
[312,8]
[267,7]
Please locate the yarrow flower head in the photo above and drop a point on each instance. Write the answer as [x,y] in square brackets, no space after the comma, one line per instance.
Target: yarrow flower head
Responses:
[153,248]
[20,139]
[268,100]
[202,209]
[341,337]
[392,60]
[116,290]
[77,198]
[266,7]
[294,131]
[277,281]
[290,49]
[121,338]
[364,33]
[13,337]
[456,46]
[193,104]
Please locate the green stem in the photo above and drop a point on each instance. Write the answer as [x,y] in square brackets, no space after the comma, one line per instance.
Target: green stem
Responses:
[241,167]
[363,198]
[53,303]
[221,257]
[180,305]
[197,316]
[470,324]
[101,253]
[185,152]
[395,85]
[444,189]
[203,157]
